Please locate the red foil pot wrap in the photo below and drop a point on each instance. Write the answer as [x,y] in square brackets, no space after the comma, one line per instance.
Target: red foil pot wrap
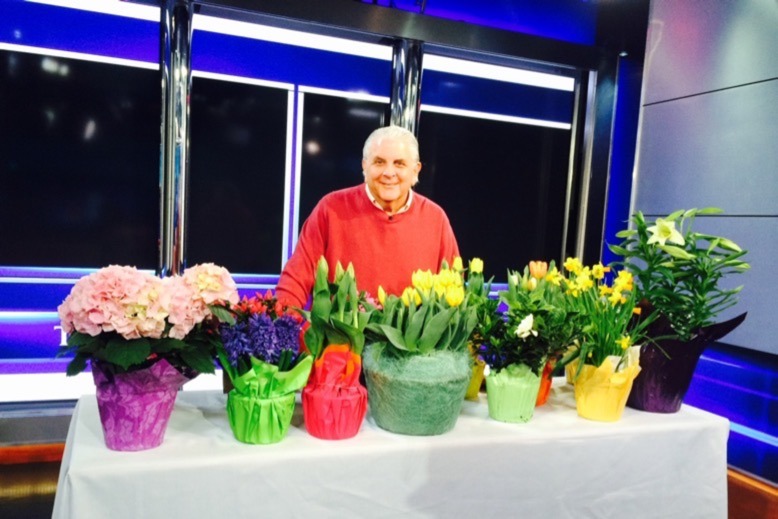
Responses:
[334,401]
[545,383]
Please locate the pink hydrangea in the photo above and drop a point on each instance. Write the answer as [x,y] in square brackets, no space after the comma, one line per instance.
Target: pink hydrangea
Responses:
[135,304]
[191,293]
[116,298]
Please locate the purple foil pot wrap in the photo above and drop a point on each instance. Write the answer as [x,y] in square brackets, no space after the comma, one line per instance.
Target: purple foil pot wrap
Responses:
[135,407]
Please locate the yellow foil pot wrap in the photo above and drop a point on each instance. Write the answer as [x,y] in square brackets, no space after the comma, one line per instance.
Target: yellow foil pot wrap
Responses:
[570,371]
[476,380]
[601,392]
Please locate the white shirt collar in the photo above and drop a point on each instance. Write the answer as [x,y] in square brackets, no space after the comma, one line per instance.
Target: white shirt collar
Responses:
[377,204]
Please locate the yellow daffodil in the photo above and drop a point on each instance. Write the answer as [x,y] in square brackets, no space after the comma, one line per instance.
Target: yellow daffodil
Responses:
[623,281]
[599,270]
[554,277]
[617,297]
[625,342]
[664,231]
[381,295]
[476,266]
[538,269]
[605,290]
[455,295]
[573,265]
[457,265]
[410,294]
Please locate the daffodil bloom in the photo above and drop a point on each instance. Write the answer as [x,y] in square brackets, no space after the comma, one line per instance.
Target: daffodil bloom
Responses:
[554,277]
[605,290]
[623,281]
[457,265]
[599,270]
[584,280]
[538,269]
[617,297]
[524,329]
[476,266]
[625,342]
[664,231]
[573,265]
[455,295]
[381,295]
[409,294]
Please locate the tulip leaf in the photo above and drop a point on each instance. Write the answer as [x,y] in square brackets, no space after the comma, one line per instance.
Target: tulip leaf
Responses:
[394,336]
[415,324]
[434,330]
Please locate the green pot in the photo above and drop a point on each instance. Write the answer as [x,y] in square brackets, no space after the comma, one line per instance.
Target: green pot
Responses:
[511,393]
[259,420]
[420,395]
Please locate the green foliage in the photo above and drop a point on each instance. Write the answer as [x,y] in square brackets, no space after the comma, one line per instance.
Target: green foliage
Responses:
[682,280]
[339,314]
[195,353]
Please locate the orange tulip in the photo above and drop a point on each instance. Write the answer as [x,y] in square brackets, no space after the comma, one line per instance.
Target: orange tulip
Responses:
[538,269]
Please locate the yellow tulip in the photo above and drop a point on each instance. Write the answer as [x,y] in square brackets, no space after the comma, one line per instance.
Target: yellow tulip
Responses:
[455,295]
[422,280]
[457,265]
[409,293]
[476,266]
[381,295]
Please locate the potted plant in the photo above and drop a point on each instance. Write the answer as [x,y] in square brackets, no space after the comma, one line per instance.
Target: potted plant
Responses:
[607,358]
[144,337]
[335,401]
[679,273]
[417,367]
[477,292]
[537,306]
[260,352]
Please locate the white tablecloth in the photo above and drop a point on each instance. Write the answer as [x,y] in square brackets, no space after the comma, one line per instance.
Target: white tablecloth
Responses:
[558,465]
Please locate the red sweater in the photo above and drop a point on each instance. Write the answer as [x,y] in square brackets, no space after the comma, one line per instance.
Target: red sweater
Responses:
[345,226]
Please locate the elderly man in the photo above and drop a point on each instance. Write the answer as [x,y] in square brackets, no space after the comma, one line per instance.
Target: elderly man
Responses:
[385,229]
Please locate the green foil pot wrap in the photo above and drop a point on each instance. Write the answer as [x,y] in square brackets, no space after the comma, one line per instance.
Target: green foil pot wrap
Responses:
[261,405]
[420,395]
[511,393]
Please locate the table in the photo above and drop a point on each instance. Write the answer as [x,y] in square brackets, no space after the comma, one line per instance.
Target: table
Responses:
[558,465]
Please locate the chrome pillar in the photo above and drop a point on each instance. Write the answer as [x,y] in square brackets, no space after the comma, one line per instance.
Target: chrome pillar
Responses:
[406,84]
[175,59]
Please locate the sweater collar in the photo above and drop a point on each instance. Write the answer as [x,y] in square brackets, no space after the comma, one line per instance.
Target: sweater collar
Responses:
[377,205]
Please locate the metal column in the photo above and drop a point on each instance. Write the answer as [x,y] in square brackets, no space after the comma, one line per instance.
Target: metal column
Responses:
[406,84]
[175,60]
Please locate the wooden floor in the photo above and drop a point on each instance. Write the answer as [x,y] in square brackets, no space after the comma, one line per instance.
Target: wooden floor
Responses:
[28,482]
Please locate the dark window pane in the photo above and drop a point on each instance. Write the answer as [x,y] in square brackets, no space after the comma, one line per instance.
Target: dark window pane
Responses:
[79,162]
[502,186]
[334,131]
[238,150]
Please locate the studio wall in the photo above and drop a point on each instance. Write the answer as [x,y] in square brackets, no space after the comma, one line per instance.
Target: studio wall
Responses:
[708,136]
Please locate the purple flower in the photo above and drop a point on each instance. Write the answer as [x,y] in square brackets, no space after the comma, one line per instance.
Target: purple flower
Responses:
[261,337]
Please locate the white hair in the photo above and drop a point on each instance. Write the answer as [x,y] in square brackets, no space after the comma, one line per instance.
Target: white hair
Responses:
[392,132]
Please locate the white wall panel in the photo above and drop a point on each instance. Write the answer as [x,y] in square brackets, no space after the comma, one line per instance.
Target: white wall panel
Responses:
[703,45]
[717,149]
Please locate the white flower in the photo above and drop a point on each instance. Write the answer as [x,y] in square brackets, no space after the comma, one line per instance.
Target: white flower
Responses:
[524,329]
[664,231]
[487,370]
